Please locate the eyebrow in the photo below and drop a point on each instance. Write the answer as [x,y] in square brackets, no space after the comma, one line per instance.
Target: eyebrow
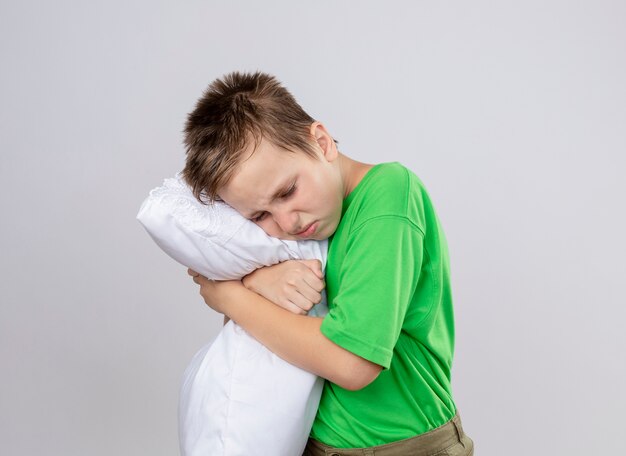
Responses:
[277,194]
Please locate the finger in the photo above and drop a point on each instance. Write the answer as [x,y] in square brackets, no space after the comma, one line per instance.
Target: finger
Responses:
[315,266]
[300,300]
[309,292]
[314,282]
[293,308]
[200,279]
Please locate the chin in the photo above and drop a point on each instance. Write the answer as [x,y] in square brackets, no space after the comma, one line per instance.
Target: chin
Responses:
[323,234]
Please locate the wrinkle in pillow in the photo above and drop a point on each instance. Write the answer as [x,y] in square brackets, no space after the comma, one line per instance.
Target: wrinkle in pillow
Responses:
[236,396]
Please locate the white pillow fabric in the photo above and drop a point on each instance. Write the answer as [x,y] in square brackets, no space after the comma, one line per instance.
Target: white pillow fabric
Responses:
[236,397]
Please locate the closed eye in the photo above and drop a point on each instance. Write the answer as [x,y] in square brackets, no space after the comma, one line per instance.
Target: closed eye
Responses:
[259,217]
[290,192]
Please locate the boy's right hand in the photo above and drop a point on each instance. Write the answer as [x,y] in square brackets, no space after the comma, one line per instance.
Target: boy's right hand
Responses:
[294,285]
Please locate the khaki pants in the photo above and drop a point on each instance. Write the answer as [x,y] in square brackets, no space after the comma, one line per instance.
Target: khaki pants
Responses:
[446,440]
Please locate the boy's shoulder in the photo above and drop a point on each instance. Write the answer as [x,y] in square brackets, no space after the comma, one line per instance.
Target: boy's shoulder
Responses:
[390,181]
[389,171]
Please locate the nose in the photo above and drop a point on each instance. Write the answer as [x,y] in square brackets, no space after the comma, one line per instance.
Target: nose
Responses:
[287,221]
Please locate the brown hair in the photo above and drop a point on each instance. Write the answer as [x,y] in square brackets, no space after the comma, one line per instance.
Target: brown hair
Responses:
[234,110]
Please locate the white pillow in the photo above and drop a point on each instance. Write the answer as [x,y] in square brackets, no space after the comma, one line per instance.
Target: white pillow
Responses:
[236,397]
[214,240]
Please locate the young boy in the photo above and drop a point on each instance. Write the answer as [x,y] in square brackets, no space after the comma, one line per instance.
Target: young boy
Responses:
[386,345]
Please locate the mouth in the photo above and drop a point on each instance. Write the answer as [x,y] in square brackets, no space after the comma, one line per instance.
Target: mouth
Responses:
[308,231]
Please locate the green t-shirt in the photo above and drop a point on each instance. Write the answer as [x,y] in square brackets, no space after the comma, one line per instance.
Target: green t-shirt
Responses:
[388,288]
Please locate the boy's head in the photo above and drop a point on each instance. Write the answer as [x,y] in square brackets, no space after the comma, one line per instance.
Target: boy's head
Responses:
[235,112]
[250,144]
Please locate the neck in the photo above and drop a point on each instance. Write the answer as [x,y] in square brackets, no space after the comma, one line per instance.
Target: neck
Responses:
[352,172]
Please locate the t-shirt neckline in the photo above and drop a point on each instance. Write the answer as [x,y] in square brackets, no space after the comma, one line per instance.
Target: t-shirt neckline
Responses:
[368,175]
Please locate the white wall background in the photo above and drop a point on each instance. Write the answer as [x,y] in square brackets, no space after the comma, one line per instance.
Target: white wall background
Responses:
[512,113]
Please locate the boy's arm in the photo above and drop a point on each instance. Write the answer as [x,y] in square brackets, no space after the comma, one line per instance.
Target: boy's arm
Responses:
[295,338]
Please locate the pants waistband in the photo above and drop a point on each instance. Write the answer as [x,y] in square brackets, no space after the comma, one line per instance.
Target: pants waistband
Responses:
[421,445]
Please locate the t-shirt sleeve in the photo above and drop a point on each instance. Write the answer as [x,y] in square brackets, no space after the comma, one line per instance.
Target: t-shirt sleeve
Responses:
[377,280]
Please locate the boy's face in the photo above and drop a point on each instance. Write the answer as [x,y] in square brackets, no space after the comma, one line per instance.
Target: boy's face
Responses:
[289,195]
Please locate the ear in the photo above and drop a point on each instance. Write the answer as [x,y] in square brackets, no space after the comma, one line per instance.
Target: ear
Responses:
[324,141]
